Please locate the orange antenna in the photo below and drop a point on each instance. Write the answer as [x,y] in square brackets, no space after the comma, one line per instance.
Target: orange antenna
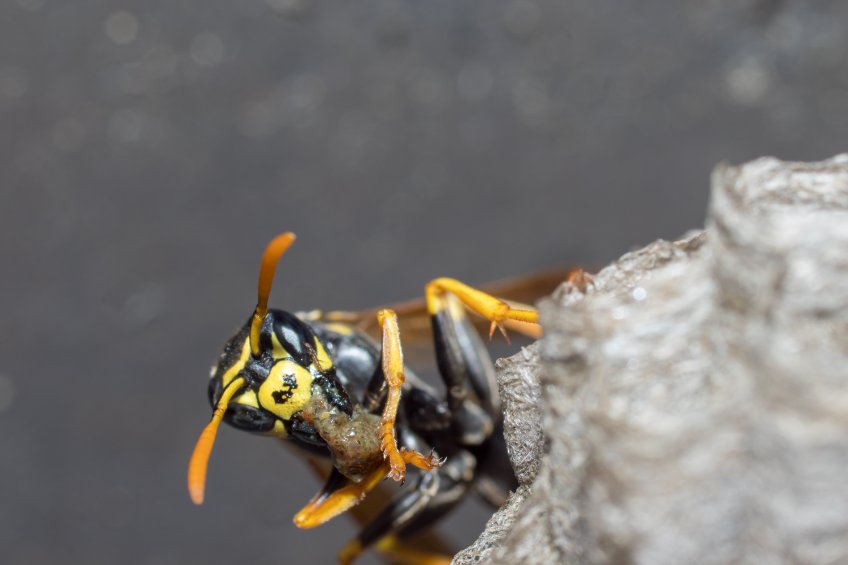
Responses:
[203,449]
[270,258]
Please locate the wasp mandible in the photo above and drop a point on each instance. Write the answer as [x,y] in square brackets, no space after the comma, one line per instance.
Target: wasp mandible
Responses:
[317,379]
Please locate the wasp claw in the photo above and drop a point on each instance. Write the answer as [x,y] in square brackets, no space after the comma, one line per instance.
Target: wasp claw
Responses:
[580,280]
[397,473]
[500,327]
[503,332]
[397,465]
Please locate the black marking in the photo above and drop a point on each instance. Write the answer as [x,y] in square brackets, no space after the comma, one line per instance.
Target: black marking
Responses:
[449,358]
[249,418]
[425,412]
[296,337]
[256,371]
[282,395]
[355,359]
[304,432]
[214,390]
[333,391]
[229,357]
[375,393]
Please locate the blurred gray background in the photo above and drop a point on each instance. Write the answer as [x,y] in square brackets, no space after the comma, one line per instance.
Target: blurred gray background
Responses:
[151,148]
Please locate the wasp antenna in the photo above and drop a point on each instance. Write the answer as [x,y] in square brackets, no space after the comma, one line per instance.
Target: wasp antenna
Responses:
[203,448]
[270,258]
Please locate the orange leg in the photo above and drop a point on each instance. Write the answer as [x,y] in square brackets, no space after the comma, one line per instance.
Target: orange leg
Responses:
[395,549]
[493,309]
[325,506]
[393,373]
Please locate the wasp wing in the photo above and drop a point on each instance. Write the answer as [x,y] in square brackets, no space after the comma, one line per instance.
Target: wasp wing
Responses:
[414,320]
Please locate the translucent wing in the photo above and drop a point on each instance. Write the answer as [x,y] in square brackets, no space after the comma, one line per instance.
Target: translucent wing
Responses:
[414,321]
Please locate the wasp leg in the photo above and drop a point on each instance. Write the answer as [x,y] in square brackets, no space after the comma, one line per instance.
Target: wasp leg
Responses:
[493,309]
[398,551]
[466,368]
[435,493]
[392,363]
[495,478]
[462,356]
[375,392]
[340,494]
[418,404]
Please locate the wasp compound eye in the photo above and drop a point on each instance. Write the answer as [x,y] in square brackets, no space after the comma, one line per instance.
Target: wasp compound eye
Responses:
[249,418]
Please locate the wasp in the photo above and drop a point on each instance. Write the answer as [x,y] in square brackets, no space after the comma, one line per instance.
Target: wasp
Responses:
[317,379]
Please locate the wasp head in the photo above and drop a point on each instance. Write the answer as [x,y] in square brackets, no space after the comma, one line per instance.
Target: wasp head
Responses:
[258,383]
[274,384]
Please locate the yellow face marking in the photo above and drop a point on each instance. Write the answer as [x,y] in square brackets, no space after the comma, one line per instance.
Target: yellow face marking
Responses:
[277,349]
[236,368]
[322,359]
[286,390]
[279,430]
[247,398]
[342,329]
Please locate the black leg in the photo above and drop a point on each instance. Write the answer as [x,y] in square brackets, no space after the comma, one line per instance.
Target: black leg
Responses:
[375,392]
[435,493]
[466,369]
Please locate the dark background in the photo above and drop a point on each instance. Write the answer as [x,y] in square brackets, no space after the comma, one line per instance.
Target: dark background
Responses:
[151,148]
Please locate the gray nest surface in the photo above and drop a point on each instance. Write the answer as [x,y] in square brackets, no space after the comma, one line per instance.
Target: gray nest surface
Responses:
[692,405]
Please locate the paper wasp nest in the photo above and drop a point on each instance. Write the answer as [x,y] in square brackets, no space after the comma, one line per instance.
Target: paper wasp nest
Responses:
[694,404]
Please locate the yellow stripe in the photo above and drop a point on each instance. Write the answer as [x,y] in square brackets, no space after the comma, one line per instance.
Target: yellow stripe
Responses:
[236,368]
[342,329]
[322,359]
[395,549]
[277,349]
[279,430]
[247,398]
